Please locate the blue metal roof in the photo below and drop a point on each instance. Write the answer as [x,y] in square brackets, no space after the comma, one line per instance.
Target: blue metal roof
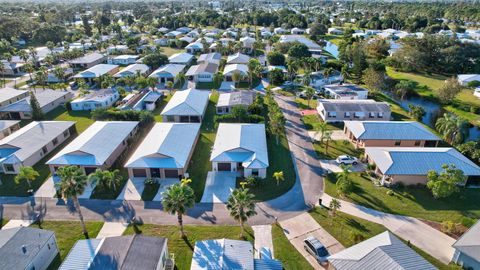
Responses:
[81,255]
[389,130]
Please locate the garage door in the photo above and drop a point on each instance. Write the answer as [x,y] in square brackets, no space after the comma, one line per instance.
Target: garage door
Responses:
[171,173]
[224,167]
[139,173]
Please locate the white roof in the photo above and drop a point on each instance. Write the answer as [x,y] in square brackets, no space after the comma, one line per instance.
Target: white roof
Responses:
[468,77]
[26,141]
[469,242]
[419,160]
[126,56]
[302,39]
[9,93]
[383,251]
[167,145]
[244,143]
[91,147]
[180,58]
[238,58]
[218,254]
[4,124]
[172,69]
[132,70]
[230,69]
[97,96]
[96,71]
[187,102]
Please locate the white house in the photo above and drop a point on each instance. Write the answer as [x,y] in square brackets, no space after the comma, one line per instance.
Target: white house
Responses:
[203,72]
[247,42]
[97,71]
[30,144]
[346,91]
[7,127]
[167,73]
[181,59]
[297,31]
[240,148]
[209,58]
[102,98]
[11,95]
[123,60]
[27,248]
[52,78]
[87,61]
[334,31]
[226,101]
[238,58]
[97,147]
[464,79]
[194,47]
[231,69]
[165,152]
[117,49]
[319,80]
[132,70]
[187,106]
[279,31]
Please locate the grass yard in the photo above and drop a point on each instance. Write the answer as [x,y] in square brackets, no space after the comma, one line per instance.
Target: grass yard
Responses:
[67,233]
[335,149]
[183,249]
[285,252]
[303,104]
[82,118]
[410,201]
[161,104]
[398,113]
[168,51]
[429,84]
[200,162]
[343,227]
[3,221]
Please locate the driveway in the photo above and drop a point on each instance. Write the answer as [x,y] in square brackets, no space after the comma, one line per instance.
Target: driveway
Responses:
[164,184]
[300,227]
[333,166]
[218,187]
[110,229]
[263,238]
[337,135]
[15,223]
[133,189]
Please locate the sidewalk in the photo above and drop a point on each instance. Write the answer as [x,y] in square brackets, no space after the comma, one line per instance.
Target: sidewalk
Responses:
[110,229]
[300,227]
[428,239]
[263,238]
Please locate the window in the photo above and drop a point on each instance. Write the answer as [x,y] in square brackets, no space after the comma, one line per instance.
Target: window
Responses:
[8,167]
[397,143]
[55,141]
[332,114]
[347,114]
[417,143]
[371,115]
[66,133]
[380,115]
[44,150]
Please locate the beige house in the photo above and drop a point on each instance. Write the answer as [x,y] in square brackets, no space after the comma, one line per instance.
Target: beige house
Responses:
[410,165]
[10,95]
[98,147]
[389,134]
[337,110]
[165,152]
[30,144]
[7,127]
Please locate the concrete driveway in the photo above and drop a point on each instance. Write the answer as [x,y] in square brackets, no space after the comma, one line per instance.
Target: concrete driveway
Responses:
[263,238]
[218,187]
[337,135]
[133,189]
[333,166]
[300,227]
[110,229]
[164,184]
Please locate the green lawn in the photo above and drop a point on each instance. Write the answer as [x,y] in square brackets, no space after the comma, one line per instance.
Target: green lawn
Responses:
[398,113]
[82,118]
[183,249]
[67,233]
[410,201]
[429,84]
[3,221]
[285,252]
[303,104]
[150,191]
[168,51]
[200,162]
[335,149]
[343,226]
[163,102]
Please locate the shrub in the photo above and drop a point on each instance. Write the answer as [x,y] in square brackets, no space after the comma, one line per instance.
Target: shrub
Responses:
[390,192]
[150,181]
[449,226]
[467,222]
[356,237]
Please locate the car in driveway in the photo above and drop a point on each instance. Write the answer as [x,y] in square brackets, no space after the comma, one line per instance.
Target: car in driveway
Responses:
[346,159]
[313,246]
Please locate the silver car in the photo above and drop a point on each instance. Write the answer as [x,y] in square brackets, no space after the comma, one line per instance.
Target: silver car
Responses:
[313,246]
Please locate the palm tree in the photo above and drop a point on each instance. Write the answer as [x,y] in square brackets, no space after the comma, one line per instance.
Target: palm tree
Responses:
[30,69]
[152,82]
[27,174]
[322,127]
[2,71]
[327,137]
[278,177]
[177,199]
[169,86]
[181,77]
[241,206]
[110,179]
[253,65]
[343,182]
[72,184]
[454,129]
[309,93]
[307,78]
[59,72]
[334,206]
[41,76]
[236,76]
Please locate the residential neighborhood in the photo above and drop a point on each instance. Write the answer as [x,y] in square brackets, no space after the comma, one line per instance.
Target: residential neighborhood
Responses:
[255,135]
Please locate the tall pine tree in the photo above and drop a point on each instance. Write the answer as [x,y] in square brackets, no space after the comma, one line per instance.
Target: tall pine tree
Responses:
[37,113]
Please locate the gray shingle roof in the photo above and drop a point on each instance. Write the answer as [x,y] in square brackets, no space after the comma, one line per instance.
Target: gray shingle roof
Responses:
[4,124]
[383,251]
[367,105]
[389,130]
[236,98]
[206,67]
[88,58]
[419,160]
[81,255]
[44,98]
[9,93]
[11,242]
[130,252]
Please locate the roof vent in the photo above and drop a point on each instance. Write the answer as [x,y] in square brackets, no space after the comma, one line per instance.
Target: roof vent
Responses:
[24,249]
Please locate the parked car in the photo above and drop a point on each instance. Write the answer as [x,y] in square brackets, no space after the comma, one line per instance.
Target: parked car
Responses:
[346,159]
[313,246]
[303,94]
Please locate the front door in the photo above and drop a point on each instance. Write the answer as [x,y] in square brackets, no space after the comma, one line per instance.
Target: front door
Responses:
[155,173]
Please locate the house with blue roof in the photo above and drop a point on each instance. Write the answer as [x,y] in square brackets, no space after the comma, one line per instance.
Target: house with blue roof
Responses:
[165,152]
[410,165]
[389,134]
[168,73]
[186,106]
[240,148]
[98,147]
